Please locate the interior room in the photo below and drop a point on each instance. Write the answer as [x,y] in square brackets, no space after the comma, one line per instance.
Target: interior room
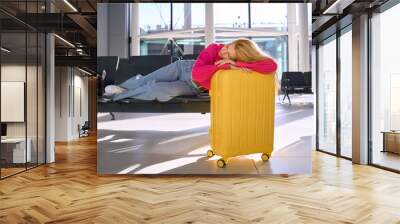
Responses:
[385,87]
[335,118]
[22,99]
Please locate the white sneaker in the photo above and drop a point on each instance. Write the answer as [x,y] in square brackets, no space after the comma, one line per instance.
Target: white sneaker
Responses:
[113,90]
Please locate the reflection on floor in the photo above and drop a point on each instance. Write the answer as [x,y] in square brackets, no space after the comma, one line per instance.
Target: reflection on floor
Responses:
[5,172]
[177,144]
[386,159]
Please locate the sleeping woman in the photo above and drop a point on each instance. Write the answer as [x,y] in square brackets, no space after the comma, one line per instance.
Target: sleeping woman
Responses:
[192,77]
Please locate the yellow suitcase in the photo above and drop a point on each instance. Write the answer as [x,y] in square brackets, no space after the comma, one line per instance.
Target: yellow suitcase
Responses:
[242,114]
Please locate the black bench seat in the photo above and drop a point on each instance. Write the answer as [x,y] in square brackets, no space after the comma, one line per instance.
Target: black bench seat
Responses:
[119,70]
[295,82]
[182,104]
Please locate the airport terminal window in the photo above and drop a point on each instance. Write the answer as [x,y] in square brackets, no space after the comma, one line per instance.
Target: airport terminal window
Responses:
[276,47]
[327,96]
[188,22]
[273,16]
[154,47]
[189,46]
[188,16]
[385,89]
[238,16]
[154,17]
[224,40]
[186,35]
[163,46]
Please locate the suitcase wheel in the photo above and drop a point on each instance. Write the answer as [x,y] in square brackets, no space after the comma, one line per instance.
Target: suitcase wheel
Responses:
[210,153]
[265,156]
[221,163]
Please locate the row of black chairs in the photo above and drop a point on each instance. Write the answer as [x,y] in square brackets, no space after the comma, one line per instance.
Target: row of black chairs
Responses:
[295,82]
[117,70]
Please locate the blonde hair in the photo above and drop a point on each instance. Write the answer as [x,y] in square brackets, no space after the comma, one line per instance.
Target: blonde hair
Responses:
[248,51]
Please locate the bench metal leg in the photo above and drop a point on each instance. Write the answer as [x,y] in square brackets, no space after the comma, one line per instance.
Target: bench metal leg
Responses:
[287,95]
[112,116]
[290,102]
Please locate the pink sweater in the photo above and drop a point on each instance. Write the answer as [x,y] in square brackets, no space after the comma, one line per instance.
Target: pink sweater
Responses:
[204,67]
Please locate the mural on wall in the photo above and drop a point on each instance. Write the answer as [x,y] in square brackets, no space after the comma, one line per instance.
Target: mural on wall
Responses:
[142,131]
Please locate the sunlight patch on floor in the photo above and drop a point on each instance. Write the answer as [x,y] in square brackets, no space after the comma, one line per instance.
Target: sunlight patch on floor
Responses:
[289,133]
[126,149]
[129,169]
[167,122]
[106,138]
[168,165]
[180,138]
[122,140]
[200,151]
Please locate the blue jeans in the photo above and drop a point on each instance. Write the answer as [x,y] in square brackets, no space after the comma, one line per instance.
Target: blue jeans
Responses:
[163,84]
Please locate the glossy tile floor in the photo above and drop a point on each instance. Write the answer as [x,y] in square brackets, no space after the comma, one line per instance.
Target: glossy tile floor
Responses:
[177,144]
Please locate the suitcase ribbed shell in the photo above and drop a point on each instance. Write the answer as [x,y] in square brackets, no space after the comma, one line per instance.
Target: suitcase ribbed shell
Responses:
[242,113]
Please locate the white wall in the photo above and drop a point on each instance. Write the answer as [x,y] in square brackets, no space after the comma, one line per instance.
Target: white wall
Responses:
[61,103]
[80,103]
[14,73]
[33,126]
[71,96]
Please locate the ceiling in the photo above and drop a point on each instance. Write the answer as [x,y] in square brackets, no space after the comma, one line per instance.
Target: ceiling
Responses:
[75,21]
[330,15]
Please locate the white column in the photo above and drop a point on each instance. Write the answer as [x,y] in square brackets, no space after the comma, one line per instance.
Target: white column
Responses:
[187,14]
[293,42]
[188,49]
[118,30]
[304,44]
[360,90]
[299,46]
[50,93]
[209,29]
[135,30]
[102,29]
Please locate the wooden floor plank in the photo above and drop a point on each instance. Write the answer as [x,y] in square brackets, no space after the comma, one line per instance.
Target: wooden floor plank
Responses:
[69,191]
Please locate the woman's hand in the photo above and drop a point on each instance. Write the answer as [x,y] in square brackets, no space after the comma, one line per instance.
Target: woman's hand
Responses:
[225,61]
[246,70]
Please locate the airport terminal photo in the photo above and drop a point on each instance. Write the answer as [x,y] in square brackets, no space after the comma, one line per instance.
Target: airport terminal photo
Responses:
[199,111]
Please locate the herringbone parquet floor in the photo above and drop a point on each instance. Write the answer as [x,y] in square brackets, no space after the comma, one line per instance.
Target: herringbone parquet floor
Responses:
[69,191]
